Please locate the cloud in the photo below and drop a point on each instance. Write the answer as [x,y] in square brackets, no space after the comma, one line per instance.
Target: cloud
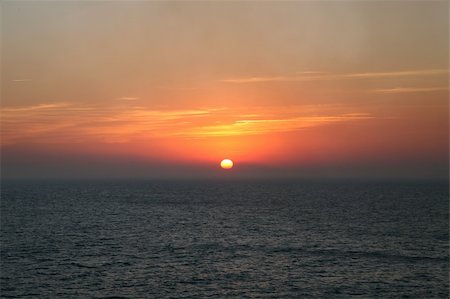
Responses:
[128,98]
[176,88]
[63,123]
[310,73]
[35,107]
[21,80]
[260,79]
[409,89]
[314,76]
[265,126]
[429,72]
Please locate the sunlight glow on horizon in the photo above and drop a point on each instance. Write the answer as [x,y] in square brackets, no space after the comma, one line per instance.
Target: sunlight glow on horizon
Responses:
[323,86]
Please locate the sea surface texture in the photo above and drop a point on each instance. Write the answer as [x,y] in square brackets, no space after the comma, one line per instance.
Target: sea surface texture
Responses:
[224,240]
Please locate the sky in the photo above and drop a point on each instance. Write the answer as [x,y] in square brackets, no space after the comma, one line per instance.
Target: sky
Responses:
[167,89]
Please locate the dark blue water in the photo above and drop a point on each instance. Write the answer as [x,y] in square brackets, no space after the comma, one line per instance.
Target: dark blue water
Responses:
[229,239]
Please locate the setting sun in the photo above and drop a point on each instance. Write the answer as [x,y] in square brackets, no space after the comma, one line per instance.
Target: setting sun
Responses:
[226,164]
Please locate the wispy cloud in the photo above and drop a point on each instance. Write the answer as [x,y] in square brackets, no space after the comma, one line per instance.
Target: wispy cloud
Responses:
[64,123]
[410,89]
[177,87]
[35,107]
[260,79]
[128,98]
[429,72]
[21,80]
[314,76]
[310,73]
[265,126]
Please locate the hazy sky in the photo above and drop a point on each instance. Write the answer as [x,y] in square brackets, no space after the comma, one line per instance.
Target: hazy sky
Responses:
[168,89]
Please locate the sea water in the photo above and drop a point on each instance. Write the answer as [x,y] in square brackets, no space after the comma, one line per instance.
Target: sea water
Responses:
[249,239]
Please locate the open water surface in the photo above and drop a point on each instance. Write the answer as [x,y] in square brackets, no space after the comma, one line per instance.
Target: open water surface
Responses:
[224,240]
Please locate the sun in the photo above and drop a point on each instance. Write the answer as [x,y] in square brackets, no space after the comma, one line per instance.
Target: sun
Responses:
[226,164]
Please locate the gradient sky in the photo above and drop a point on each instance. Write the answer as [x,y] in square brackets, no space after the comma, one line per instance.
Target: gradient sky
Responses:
[168,89]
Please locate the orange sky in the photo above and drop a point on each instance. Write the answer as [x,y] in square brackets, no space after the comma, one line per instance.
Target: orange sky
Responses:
[168,89]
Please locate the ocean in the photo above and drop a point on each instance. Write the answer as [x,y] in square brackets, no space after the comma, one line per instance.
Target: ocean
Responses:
[247,239]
